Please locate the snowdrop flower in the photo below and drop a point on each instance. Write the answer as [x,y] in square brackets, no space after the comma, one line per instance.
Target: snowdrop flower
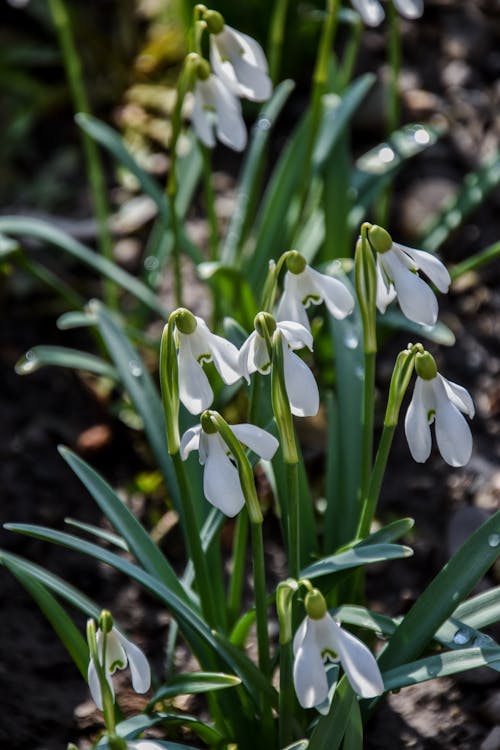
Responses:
[196,346]
[372,12]
[221,481]
[320,637]
[397,276]
[239,61]
[301,387]
[304,286]
[215,107]
[436,399]
[118,653]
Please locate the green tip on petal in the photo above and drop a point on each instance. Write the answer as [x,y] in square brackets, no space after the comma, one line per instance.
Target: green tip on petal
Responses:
[380,239]
[425,366]
[315,604]
[295,262]
[105,621]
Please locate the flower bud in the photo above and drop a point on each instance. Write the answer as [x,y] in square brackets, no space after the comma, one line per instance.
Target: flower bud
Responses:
[295,262]
[185,322]
[425,366]
[105,621]
[379,238]
[214,21]
[206,423]
[315,604]
[265,324]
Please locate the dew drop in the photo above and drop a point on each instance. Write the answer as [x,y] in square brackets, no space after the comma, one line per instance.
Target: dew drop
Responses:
[264,123]
[494,540]
[29,364]
[482,641]
[386,155]
[351,340]
[359,372]
[422,136]
[151,263]
[461,637]
[135,368]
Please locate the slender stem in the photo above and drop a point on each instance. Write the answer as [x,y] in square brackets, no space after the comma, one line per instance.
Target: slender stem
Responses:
[476,261]
[238,571]
[368,419]
[350,55]
[210,201]
[286,700]
[176,254]
[393,103]
[292,474]
[259,576]
[193,542]
[92,159]
[371,499]
[276,37]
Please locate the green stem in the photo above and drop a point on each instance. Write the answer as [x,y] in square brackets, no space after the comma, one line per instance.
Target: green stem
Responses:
[292,474]
[259,578]
[372,496]
[193,542]
[210,202]
[368,420]
[287,700]
[92,159]
[276,37]
[238,568]
[350,56]
[492,252]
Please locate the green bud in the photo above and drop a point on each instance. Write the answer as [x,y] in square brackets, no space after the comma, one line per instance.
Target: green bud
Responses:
[185,322]
[203,69]
[214,21]
[206,423]
[315,604]
[379,238]
[265,324]
[105,621]
[295,262]
[425,366]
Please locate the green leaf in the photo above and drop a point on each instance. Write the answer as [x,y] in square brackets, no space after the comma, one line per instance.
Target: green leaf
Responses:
[440,665]
[355,557]
[102,534]
[353,739]
[28,227]
[75,319]
[439,333]
[480,610]
[330,730]
[391,532]
[442,596]
[249,179]
[133,727]
[194,682]
[61,356]
[63,625]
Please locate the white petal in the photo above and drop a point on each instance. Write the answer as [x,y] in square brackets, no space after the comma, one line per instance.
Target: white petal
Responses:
[410,8]
[225,358]
[291,308]
[358,662]
[416,299]
[195,391]
[254,356]
[202,115]
[116,657]
[301,387]
[240,63]
[337,298]
[309,676]
[95,685]
[190,441]
[296,335]
[370,11]
[453,434]
[418,433]
[221,482]
[299,635]
[231,130]
[139,665]
[386,292]
[258,440]
[459,396]
[430,265]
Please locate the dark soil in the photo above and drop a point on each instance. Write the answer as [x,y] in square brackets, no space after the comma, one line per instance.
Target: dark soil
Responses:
[44,700]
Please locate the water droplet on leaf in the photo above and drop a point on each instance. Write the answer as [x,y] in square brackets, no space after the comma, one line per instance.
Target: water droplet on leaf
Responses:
[135,368]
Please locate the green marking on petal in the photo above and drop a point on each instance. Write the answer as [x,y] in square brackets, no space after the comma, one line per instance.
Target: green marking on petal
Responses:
[311,297]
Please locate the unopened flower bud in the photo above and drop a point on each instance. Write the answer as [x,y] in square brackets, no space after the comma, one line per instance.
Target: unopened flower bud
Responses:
[315,604]
[105,621]
[379,238]
[425,366]
[207,424]
[214,21]
[295,262]
[185,321]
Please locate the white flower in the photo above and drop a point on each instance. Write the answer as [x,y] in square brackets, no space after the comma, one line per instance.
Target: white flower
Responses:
[221,481]
[397,277]
[215,107]
[320,639]
[240,63]
[119,653]
[300,384]
[372,12]
[194,349]
[311,287]
[441,401]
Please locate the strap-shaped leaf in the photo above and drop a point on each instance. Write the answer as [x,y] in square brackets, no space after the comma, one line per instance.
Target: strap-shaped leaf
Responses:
[194,682]
[61,356]
[355,557]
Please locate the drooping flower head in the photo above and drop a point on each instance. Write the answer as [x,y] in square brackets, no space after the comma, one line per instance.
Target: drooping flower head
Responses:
[238,60]
[318,639]
[221,480]
[197,345]
[439,401]
[303,286]
[300,384]
[114,652]
[397,277]
[372,12]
